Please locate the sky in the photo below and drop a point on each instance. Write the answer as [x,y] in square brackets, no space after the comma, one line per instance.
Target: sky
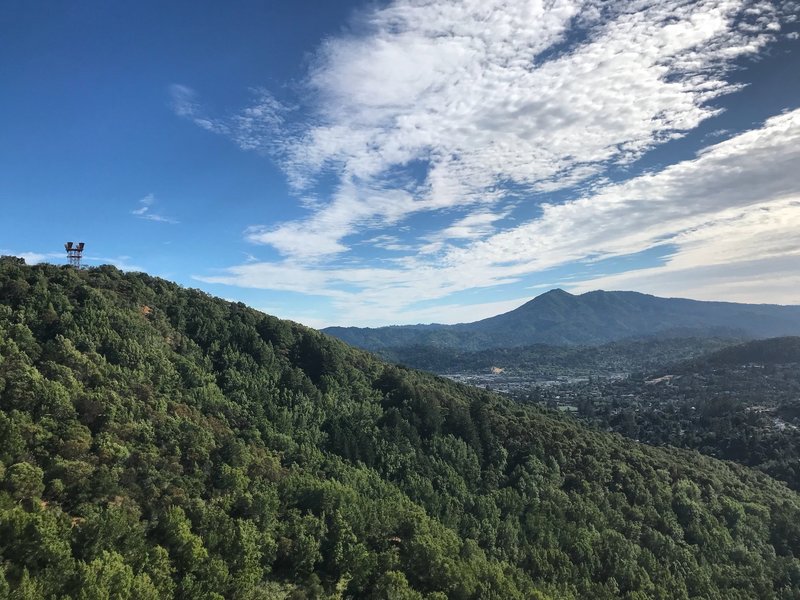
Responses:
[372,163]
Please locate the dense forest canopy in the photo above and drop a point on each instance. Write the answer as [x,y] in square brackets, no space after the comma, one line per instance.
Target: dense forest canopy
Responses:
[543,361]
[156,442]
[774,351]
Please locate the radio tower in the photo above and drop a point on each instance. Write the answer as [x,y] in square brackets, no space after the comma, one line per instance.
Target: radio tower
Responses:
[74,253]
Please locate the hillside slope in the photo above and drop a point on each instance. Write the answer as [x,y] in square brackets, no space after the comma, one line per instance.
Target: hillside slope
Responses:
[593,318]
[740,403]
[156,442]
[624,356]
[773,351]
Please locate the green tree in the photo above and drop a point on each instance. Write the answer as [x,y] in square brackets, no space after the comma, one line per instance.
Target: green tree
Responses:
[24,481]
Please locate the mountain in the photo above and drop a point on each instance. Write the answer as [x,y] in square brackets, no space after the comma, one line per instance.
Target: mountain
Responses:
[559,318]
[156,442]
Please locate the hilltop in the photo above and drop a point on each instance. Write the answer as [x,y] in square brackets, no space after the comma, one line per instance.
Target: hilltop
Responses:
[156,442]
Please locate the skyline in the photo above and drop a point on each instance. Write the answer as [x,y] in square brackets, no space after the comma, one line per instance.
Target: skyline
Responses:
[404,162]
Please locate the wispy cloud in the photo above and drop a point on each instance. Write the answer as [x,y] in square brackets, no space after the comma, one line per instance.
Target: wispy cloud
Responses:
[33,258]
[736,202]
[261,126]
[145,211]
[121,262]
[460,108]
[745,254]
[542,96]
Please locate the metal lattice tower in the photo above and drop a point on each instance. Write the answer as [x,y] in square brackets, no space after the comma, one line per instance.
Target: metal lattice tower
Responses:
[74,253]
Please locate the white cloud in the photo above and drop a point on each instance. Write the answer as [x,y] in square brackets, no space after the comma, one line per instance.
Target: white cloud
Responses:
[747,255]
[456,313]
[466,107]
[468,88]
[33,258]
[475,225]
[388,242]
[320,235]
[145,211]
[736,204]
[744,171]
[121,262]
[257,127]
[487,93]
[444,314]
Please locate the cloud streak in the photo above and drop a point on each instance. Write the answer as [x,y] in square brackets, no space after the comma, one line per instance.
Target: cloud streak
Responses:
[466,110]
[260,126]
[737,202]
[145,211]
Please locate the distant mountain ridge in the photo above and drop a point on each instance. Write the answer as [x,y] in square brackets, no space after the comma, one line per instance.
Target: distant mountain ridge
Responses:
[563,319]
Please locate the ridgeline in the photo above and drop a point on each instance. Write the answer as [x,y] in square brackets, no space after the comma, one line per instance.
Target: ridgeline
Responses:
[558,318]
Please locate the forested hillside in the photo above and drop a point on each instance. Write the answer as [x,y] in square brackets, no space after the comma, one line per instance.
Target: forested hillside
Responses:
[774,351]
[542,361]
[156,442]
[740,403]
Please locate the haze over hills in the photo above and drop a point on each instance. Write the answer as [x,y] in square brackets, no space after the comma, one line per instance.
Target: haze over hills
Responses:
[560,318]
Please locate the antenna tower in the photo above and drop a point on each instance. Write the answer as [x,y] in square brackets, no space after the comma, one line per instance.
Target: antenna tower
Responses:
[74,253]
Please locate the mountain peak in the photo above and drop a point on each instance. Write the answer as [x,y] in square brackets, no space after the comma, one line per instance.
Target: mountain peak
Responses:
[554,295]
[557,292]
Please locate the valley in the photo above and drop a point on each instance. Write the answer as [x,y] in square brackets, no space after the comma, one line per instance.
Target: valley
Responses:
[729,400]
[717,391]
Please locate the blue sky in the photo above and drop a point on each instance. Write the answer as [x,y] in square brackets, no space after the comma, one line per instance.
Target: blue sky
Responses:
[413,161]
